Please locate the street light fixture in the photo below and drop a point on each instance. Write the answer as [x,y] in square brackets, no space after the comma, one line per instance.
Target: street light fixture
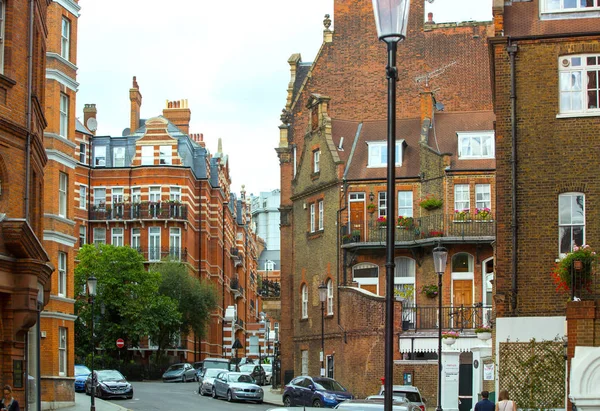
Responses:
[322,298]
[391,19]
[440,256]
[92,283]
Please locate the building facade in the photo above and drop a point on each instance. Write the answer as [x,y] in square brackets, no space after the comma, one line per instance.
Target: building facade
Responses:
[333,203]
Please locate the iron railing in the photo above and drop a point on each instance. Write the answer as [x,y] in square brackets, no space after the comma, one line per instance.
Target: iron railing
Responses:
[455,318]
[419,228]
[154,254]
[269,288]
[139,211]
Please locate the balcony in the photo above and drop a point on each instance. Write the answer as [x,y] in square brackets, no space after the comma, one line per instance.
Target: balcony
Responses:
[239,323]
[422,229]
[156,254]
[139,211]
[269,288]
[417,318]
[236,288]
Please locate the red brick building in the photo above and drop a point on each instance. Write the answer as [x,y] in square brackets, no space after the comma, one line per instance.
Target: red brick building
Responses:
[545,67]
[333,201]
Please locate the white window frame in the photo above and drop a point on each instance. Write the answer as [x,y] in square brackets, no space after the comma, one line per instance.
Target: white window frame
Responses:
[471,145]
[99,197]
[136,236]
[329,297]
[175,194]
[100,156]
[63,184]
[405,203]
[312,217]
[405,275]
[117,236]
[99,235]
[82,235]
[82,197]
[154,234]
[304,292]
[119,157]
[316,161]
[462,197]
[62,274]
[377,156]
[136,195]
[321,213]
[65,39]
[64,116]
[559,7]
[568,220]
[154,194]
[573,84]
[147,155]
[366,280]
[175,243]
[62,350]
[483,196]
[82,152]
[165,155]
[382,204]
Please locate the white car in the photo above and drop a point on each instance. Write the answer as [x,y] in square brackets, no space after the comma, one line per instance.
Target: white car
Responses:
[268,372]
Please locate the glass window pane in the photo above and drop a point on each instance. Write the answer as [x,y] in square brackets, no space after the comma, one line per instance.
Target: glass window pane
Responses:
[578,235]
[575,81]
[565,84]
[564,239]
[460,263]
[564,209]
[577,210]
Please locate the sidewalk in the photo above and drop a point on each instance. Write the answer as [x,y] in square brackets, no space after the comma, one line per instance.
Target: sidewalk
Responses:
[272,396]
[82,403]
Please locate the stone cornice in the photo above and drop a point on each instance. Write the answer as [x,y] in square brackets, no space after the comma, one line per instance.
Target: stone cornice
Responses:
[21,241]
[60,238]
[61,158]
[70,6]
[60,138]
[62,78]
[56,56]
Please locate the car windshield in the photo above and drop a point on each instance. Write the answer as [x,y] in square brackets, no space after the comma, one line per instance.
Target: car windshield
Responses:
[223,365]
[241,378]
[247,368]
[329,385]
[175,367]
[110,375]
[212,373]
[81,370]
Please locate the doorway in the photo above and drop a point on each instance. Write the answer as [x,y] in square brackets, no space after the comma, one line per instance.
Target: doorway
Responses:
[357,214]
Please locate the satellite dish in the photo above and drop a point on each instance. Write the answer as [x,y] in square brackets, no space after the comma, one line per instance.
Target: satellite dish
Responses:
[92,124]
[430,1]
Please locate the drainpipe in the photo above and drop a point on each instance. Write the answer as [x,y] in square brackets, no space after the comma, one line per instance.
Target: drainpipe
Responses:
[339,213]
[29,109]
[512,51]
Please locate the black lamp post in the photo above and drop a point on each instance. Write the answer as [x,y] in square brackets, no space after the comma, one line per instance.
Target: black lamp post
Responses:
[440,256]
[92,282]
[322,298]
[391,19]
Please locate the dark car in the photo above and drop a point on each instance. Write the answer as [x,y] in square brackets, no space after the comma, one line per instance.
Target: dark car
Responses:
[81,373]
[255,371]
[315,392]
[198,366]
[109,384]
[183,372]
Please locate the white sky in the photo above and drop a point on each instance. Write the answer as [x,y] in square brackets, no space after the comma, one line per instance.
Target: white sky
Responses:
[232,67]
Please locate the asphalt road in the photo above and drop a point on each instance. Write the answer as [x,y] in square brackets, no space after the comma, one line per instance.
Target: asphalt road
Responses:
[159,396]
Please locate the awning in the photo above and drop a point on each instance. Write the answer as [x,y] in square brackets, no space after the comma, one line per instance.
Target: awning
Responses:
[430,344]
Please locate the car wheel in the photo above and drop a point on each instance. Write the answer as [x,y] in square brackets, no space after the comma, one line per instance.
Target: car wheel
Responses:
[130,397]
[317,403]
[259,402]
[287,401]
[229,397]
[214,393]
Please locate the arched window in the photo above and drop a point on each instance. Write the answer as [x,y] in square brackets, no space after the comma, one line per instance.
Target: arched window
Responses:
[571,221]
[404,278]
[367,276]
[462,263]
[304,301]
[329,297]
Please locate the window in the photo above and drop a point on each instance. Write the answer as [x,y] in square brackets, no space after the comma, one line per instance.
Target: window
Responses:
[2,33]
[404,278]
[405,203]
[461,197]
[64,115]
[117,237]
[154,244]
[100,156]
[382,204]
[65,43]
[304,301]
[476,145]
[135,239]
[154,194]
[549,6]
[99,197]
[329,297]
[304,362]
[62,351]
[99,236]
[147,155]
[571,221]
[175,243]
[119,157]
[378,154]
[579,78]
[117,202]
[175,194]
[164,154]
[321,215]
[269,265]
[82,235]
[483,196]
[63,180]
[312,218]
[316,161]
[367,276]
[136,195]
[62,274]
[83,197]
[82,153]
[462,263]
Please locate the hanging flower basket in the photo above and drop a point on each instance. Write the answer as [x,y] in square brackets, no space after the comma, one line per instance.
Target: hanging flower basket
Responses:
[580,264]
[430,202]
[430,291]
[450,337]
[404,222]
[371,208]
[483,333]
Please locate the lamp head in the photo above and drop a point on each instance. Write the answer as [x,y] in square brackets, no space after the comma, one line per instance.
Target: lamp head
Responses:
[92,283]
[322,292]
[440,256]
[391,19]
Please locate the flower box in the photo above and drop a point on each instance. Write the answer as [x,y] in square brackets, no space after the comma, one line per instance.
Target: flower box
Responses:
[484,336]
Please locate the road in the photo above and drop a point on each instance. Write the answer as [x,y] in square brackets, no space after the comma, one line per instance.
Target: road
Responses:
[159,396]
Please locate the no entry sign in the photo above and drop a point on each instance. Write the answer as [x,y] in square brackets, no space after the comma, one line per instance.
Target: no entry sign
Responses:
[120,343]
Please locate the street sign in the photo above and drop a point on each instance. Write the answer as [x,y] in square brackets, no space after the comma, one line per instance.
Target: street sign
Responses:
[120,343]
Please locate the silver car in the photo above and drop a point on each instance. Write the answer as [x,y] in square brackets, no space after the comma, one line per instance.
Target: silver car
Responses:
[236,386]
[206,380]
[375,405]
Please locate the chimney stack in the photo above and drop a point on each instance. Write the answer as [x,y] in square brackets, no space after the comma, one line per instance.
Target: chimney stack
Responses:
[90,111]
[198,138]
[178,113]
[135,97]
[430,18]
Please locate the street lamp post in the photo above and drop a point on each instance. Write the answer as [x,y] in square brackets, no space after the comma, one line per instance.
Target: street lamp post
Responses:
[92,282]
[391,19]
[440,256]
[322,298]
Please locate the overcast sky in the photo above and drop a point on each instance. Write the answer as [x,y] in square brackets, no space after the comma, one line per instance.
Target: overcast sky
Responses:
[232,67]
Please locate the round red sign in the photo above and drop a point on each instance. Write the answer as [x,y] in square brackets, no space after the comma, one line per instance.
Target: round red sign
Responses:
[120,343]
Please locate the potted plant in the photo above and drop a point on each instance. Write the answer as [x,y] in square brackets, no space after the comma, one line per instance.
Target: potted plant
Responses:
[435,233]
[371,208]
[404,222]
[580,264]
[449,337]
[483,213]
[431,290]
[430,202]
[356,236]
[461,215]
[382,221]
[483,332]
[346,238]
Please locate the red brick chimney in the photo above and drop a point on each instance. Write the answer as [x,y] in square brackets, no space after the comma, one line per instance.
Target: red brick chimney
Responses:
[426,104]
[136,103]
[90,111]
[430,18]
[178,113]
[198,138]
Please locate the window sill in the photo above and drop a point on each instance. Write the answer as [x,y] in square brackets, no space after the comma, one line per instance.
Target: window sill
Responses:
[575,115]
[314,234]
[6,82]
[316,175]
[304,319]
[328,316]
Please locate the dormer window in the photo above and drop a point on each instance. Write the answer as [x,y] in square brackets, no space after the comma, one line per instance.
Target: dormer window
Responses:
[475,145]
[119,157]
[147,155]
[100,156]
[378,153]
[165,153]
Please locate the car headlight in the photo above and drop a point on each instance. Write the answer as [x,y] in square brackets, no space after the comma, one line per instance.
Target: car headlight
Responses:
[329,396]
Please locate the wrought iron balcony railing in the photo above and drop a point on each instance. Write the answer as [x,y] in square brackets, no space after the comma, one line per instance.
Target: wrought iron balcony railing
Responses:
[154,254]
[455,318]
[139,211]
[269,288]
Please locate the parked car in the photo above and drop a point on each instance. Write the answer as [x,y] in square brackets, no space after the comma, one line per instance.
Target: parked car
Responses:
[237,386]
[182,372]
[268,372]
[256,371]
[206,380]
[81,373]
[198,368]
[222,363]
[109,384]
[316,392]
[375,405]
[410,392]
